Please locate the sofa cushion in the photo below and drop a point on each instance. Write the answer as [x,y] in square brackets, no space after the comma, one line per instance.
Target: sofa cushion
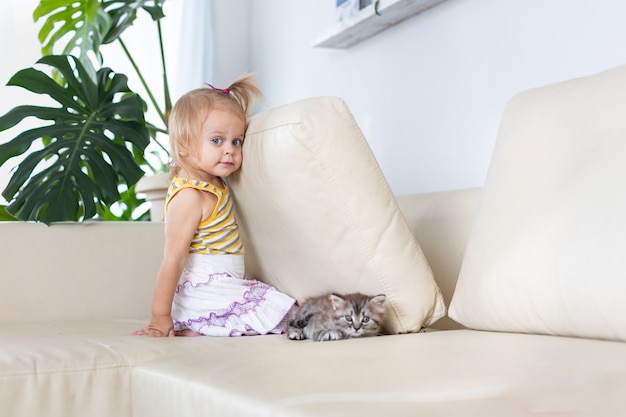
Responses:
[441,373]
[75,368]
[317,214]
[547,251]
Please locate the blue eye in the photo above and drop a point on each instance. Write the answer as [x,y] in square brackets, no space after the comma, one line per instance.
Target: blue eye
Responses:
[217,141]
[237,142]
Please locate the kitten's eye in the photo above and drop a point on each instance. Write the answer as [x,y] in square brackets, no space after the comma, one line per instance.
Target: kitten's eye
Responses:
[365,319]
[348,319]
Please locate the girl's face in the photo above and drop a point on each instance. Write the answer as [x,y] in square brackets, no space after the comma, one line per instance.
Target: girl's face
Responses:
[221,141]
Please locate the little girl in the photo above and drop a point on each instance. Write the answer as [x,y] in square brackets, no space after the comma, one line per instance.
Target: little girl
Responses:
[200,287]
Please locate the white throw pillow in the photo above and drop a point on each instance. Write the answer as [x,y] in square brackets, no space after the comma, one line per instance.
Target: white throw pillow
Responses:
[548,251]
[317,214]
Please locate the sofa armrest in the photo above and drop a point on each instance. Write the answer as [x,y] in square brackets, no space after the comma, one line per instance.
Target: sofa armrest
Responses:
[441,222]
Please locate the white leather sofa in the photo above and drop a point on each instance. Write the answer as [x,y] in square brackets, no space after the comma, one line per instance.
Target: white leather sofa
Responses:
[538,253]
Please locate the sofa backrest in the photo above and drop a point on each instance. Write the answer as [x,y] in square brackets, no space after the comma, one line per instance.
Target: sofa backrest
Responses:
[78,270]
[442,222]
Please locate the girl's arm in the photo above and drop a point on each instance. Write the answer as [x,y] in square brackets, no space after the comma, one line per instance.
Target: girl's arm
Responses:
[185,211]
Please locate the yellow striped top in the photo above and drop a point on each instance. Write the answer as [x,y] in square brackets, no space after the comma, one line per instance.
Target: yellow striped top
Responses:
[219,234]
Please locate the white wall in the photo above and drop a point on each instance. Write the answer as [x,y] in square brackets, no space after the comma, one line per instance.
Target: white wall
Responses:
[428,93]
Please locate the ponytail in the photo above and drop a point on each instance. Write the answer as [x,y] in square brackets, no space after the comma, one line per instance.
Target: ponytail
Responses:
[245,91]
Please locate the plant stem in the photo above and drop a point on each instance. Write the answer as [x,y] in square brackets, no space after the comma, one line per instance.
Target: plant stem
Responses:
[143,81]
[159,130]
[166,88]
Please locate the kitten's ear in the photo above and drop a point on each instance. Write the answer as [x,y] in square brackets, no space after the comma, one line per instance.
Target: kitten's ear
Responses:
[378,299]
[336,300]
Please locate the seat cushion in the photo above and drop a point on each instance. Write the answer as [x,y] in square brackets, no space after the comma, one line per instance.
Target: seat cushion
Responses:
[547,251]
[440,373]
[318,216]
[74,368]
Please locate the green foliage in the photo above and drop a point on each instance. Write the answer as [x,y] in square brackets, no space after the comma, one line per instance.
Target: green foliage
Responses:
[124,12]
[84,20]
[5,216]
[86,155]
[90,152]
[131,208]
[88,24]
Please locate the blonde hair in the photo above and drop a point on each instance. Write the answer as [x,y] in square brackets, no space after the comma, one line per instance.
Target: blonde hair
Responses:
[192,109]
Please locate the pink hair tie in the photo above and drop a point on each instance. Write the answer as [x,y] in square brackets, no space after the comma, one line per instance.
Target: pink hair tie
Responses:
[223,90]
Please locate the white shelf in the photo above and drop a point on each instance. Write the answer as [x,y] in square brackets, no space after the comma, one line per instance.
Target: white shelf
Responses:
[366,23]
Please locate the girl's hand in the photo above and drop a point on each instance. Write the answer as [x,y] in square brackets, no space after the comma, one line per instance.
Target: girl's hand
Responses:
[158,327]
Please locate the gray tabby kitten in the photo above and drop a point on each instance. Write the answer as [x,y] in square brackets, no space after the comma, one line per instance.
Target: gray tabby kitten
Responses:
[335,317]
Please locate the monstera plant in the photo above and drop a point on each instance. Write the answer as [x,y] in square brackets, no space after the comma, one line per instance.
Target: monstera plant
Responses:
[89,150]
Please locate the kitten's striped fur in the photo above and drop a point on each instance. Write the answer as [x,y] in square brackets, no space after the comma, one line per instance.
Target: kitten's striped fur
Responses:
[335,317]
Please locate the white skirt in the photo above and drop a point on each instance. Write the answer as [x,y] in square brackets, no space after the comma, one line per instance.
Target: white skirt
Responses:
[215,299]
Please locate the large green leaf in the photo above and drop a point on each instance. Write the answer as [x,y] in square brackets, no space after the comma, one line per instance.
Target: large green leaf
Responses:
[77,162]
[123,13]
[80,24]
[88,24]
[5,216]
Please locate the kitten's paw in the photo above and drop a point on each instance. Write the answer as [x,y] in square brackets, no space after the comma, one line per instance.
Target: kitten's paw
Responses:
[295,334]
[326,335]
